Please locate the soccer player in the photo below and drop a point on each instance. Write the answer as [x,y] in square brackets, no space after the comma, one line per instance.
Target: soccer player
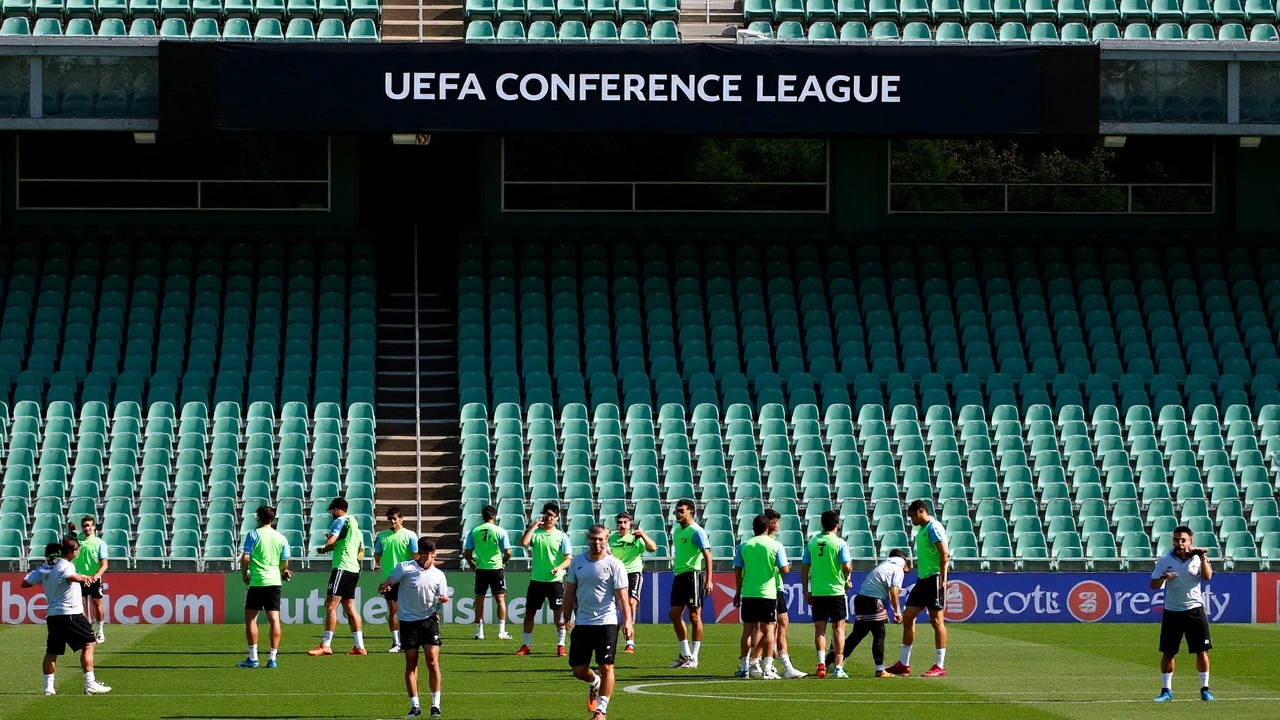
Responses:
[265,563]
[488,549]
[67,625]
[825,574]
[346,543]
[880,589]
[391,548]
[629,544]
[597,586]
[92,561]
[789,671]
[692,581]
[1179,573]
[757,565]
[422,589]
[551,554]
[930,590]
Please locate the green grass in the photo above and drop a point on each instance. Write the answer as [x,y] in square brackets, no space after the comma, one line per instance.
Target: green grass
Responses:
[997,671]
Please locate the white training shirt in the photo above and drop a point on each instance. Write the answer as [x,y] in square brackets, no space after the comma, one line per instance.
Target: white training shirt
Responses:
[1182,592]
[61,595]
[420,590]
[596,582]
[887,575]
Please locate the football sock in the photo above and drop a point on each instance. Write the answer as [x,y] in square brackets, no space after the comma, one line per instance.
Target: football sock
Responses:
[878,667]
[413,700]
[395,637]
[631,642]
[48,683]
[359,637]
[272,656]
[602,703]
[502,626]
[528,639]
[768,664]
[1166,681]
[327,638]
[746,664]
[89,678]
[595,682]
[905,656]
[253,653]
[1204,679]
[785,660]
[822,658]
[940,657]
[697,648]
[97,628]
[684,648]
[560,636]
[435,699]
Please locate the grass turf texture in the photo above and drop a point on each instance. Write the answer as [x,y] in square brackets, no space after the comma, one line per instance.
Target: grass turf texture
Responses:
[996,672]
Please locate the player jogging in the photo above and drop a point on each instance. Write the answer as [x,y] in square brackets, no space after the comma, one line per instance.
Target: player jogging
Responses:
[392,547]
[92,561]
[825,570]
[488,549]
[597,585]
[67,627]
[422,589]
[629,544]
[1179,573]
[265,563]
[692,581]
[551,554]
[789,671]
[930,590]
[346,542]
[880,590]
[757,564]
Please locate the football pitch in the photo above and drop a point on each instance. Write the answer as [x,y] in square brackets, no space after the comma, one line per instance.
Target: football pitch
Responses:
[995,672]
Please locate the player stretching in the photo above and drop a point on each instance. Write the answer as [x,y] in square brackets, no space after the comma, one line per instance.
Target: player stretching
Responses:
[92,560]
[1180,573]
[422,588]
[597,585]
[879,590]
[391,548]
[789,671]
[757,565]
[930,590]
[629,545]
[692,581]
[488,549]
[265,563]
[825,571]
[64,618]
[550,553]
[347,543]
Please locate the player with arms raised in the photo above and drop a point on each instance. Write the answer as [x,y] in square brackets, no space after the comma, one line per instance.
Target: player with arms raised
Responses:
[66,625]
[1180,573]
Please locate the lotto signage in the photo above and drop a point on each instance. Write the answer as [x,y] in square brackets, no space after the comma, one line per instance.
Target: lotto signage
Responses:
[130,599]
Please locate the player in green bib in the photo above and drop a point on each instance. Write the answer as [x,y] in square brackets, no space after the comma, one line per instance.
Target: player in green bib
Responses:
[488,548]
[392,547]
[692,582]
[629,545]
[549,554]
[826,574]
[346,542]
[758,566]
[265,564]
[789,671]
[929,592]
[91,561]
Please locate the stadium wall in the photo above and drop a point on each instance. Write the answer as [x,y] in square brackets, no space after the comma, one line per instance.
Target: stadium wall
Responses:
[207,598]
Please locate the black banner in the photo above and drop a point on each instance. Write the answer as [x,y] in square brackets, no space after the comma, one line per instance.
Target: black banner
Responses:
[702,88]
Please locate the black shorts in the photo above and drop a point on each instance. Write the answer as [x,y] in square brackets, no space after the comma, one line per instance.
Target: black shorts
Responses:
[925,594]
[416,634]
[830,608]
[67,631]
[781,604]
[1192,624]
[491,581]
[541,592]
[92,589]
[635,583]
[342,583]
[758,610]
[392,595]
[869,609]
[586,640]
[265,597]
[686,589]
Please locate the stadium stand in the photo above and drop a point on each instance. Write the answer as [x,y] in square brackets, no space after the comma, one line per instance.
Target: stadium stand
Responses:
[1056,404]
[169,388]
[266,20]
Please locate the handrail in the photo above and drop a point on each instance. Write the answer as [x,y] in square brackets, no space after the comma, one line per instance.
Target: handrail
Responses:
[417,381]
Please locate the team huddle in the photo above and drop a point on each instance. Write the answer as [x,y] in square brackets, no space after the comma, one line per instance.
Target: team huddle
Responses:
[599,591]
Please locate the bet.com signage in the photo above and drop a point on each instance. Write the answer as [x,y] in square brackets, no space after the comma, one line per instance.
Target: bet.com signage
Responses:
[129,599]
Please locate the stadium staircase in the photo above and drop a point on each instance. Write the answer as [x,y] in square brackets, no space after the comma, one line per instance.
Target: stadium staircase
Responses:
[441,21]
[710,20]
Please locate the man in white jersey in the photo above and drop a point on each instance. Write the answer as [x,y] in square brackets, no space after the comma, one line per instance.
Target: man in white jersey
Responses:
[422,590]
[65,620]
[596,585]
[1180,573]
[880,590]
